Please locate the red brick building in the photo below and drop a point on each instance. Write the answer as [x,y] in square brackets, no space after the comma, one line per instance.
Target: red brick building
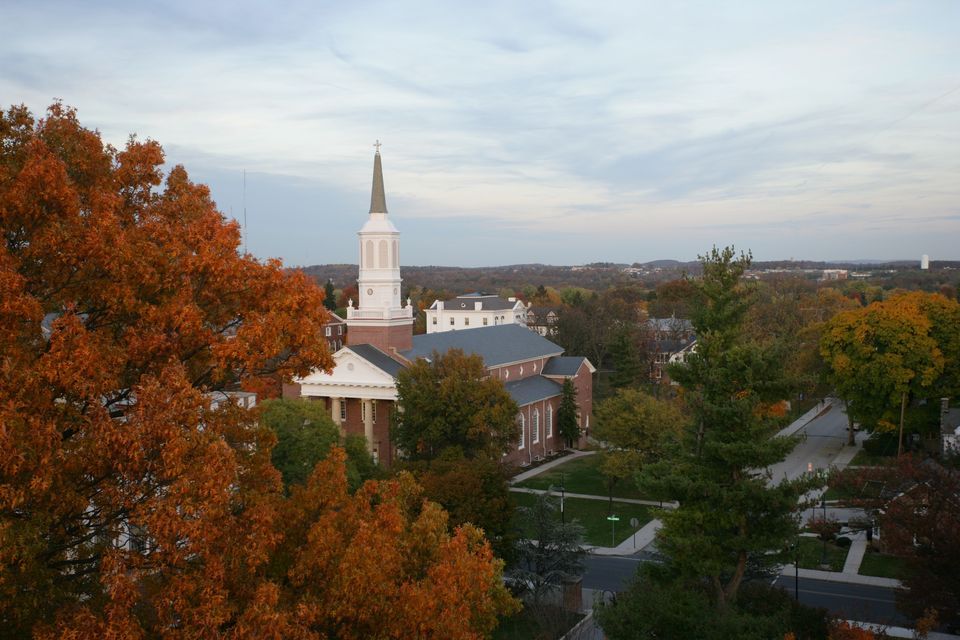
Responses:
[361,392]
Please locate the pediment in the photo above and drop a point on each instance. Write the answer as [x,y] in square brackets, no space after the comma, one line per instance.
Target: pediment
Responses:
[350,369]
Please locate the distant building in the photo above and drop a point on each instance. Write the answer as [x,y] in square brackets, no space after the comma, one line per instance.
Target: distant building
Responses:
[361,391]
[834,274]
[669,341]
[335,331]
[543,320]
[473,310]
[243,399]
[924,262]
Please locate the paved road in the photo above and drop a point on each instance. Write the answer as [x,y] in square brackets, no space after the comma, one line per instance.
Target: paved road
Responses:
[822,439]
[851,601]
[610,573]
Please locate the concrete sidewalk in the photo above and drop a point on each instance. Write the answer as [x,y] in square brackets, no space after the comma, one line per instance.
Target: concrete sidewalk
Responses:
[634,542]
[838,576]
[587,496]
[815,412]
[529,473]
[858,549]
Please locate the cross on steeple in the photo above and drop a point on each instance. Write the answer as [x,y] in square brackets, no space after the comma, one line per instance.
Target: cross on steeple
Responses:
[377,145]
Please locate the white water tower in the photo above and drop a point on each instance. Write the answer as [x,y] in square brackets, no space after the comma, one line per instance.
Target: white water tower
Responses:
[924,262]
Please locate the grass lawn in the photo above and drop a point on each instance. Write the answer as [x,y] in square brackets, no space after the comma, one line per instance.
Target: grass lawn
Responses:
[838,493]
[811,550]
[864,459]
[581,475]
[881,565]
[592,514]
[551,623]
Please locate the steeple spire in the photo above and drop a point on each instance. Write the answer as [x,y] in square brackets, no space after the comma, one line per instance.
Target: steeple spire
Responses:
[378,198]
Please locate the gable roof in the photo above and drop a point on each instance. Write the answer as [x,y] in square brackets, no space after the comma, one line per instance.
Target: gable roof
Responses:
[468,301]
[564,366]
[532,389]
[497,345]
[377,358]
[669,324]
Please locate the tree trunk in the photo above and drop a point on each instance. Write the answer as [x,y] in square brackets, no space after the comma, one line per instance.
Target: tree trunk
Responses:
[850,437]
[700,430]
[730,593]
[903,408]
[719,593]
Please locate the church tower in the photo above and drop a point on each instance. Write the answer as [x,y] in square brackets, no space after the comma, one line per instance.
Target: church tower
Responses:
[380,318]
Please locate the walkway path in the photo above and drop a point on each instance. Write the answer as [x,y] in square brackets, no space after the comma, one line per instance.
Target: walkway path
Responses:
[587,496]
[634,542]
[529,473]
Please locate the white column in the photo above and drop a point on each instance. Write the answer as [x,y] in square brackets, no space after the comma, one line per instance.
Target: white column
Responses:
[335,410]
[368,423]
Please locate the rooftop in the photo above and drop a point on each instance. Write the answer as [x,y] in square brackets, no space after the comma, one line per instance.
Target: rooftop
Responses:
[497,345]
[532,389]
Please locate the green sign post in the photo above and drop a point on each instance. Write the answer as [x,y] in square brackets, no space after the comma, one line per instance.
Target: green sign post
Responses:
[613,529]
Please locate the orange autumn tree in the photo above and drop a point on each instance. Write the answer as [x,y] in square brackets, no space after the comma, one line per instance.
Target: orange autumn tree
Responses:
[128,506]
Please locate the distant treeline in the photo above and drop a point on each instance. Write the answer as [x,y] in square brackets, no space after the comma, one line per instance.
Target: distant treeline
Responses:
[602,276]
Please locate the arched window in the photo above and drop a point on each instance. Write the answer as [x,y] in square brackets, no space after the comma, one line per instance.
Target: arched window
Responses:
[368,254]
[396,254]
[549,421]
[382,263]
[522,423]
[535,428]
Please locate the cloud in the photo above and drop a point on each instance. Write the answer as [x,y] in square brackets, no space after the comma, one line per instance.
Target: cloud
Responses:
[564,132]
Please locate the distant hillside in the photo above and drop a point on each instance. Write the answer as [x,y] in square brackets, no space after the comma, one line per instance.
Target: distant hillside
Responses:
[463,279]
[600,276]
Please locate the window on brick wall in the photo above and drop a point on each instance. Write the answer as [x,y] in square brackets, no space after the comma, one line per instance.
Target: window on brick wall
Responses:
[522,423]
[373,409]
[343,408]
[535,428]
[549,421]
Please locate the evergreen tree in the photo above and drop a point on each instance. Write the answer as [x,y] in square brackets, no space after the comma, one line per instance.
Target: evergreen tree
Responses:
[628,369]
[552,551]
[329,297]
[730,513]
[567,423]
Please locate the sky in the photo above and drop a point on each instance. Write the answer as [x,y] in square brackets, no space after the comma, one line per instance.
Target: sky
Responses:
[519,132]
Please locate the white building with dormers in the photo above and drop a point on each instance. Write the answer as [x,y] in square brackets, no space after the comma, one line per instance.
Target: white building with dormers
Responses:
[473,310]
[361,391]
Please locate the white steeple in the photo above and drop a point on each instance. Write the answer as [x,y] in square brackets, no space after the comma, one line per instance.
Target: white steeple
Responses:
[379,278]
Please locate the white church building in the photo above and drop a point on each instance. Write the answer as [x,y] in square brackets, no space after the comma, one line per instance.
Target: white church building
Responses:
[360,392]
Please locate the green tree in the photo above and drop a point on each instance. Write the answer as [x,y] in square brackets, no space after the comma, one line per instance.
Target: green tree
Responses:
[329,296]
[880,355]
[660,605]
[551,551]
[472,490]
[305,434]
[628,367]
[729,512]
[449,402]
[635,428]
[455,424]
[568,424]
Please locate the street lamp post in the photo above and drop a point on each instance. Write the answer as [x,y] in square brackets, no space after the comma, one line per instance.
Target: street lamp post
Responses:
[562,520]
[613,529]
[823,555]
[796,569]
